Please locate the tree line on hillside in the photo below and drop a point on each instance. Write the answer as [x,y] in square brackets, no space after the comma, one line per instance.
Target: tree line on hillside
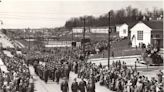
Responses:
[128,15]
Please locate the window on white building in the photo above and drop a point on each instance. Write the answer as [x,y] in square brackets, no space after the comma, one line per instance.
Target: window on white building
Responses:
[157,36]
[140,35]
[124,31]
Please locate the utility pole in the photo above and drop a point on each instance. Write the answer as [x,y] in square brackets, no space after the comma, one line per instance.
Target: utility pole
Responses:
[109,31]
[72,39]
[1,31]
[47,36]
[28,38]
[72,36]
[84,37]
[43,36]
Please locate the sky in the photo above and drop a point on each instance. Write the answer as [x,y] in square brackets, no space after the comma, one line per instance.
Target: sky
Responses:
[54,13]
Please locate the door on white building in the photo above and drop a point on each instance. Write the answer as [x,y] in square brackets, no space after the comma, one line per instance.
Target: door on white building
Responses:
[133,41]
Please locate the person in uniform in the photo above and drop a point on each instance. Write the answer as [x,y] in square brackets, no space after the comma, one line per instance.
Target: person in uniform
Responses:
[67,71]
[36,67]
[82,85]
[90,86]
[53,73]
[46,75]
[74,86]
[58,74]
[64,86]
[76,67]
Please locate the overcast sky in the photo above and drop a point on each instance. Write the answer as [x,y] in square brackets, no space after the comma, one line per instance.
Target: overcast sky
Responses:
[53,13]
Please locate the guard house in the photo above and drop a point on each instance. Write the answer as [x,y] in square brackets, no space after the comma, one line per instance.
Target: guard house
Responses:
[147,32]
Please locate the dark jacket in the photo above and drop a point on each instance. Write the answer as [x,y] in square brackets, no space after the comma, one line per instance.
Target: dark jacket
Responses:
[82,85]
[74,87]
[64,86]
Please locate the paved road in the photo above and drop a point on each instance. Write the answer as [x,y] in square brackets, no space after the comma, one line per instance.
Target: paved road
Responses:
[130,60]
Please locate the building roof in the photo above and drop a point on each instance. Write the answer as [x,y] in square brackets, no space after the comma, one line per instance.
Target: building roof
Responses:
[94,27]
[121,24]
[131,24]
[154,25]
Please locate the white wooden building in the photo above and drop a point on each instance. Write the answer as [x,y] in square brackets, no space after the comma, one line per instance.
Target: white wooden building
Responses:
[80,30]
[101,30]
[122,30]
[98,30]
[147,32]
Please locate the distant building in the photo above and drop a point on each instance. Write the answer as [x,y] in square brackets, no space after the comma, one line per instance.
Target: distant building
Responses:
[59,44]
[80,29]
[147,32]
[122,30]
[98,30]
[94,33]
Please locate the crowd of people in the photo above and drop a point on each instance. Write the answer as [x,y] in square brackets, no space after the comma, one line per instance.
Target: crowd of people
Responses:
[57,66]
[17,78]
[119,77]
[96,47]
[52,70]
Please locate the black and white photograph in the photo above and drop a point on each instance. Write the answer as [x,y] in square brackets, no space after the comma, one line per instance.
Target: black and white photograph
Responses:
[81,46]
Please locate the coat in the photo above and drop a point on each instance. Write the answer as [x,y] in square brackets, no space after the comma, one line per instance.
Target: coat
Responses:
[82,85]
[74,87]
[64,86]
